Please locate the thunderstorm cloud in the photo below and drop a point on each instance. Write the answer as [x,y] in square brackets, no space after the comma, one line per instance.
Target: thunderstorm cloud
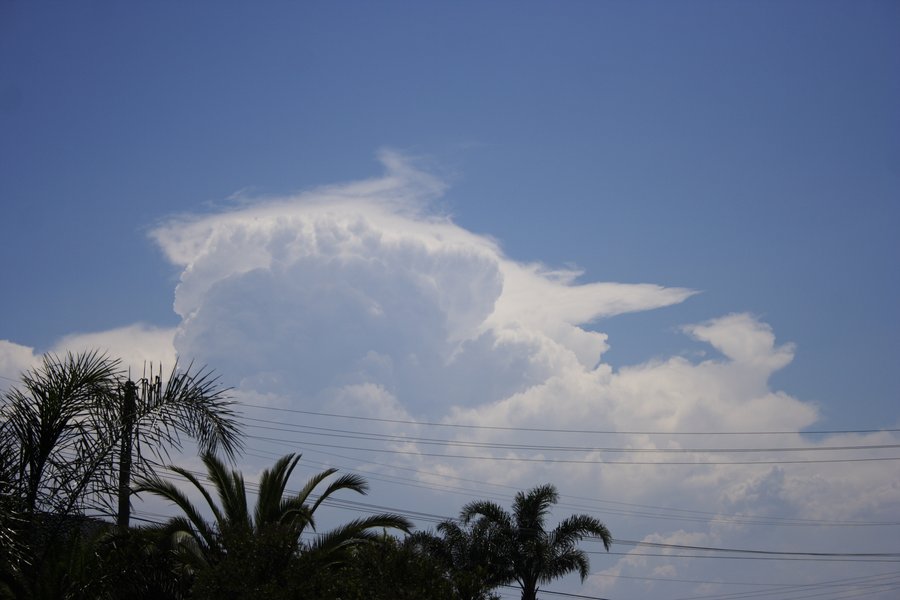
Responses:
[360,299]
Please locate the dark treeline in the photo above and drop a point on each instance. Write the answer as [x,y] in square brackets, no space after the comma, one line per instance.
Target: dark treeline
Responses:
[78,439]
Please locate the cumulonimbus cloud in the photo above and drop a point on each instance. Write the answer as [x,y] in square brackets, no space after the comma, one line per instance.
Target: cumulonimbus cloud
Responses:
[361,284]
[358,299]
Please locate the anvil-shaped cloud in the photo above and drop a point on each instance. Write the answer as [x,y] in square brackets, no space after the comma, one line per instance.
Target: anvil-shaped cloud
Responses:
[359,284]
[358,299]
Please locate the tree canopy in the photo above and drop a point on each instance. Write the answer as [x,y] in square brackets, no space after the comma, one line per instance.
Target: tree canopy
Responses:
[76,430]
[527,552]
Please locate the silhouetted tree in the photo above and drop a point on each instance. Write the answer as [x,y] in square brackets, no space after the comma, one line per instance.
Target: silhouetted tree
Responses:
[74,432]
[469,562]
[532,555]
[385,569]
[241,554]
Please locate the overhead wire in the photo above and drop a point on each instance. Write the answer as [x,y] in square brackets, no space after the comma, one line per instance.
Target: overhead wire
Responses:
[783,590]
[885,581]
[764,558]
[765,552]
[732,553]
[555,430]
[605,506]
[757,554]
[374,436]
[528,459]
[891,580]
[711,552]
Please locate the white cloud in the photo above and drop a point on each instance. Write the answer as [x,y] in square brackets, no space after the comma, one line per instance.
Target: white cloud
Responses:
[138,346]
[14,360]
[355,299]
[744,340]
[313,287]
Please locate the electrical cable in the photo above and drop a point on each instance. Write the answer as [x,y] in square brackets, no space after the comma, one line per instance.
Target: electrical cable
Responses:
[371,436]
[583,461]
[550,430]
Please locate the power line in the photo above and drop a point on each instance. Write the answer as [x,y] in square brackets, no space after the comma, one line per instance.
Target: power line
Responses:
[583,461]
[767,552]
[551,430]
[767,558]
[729,553]
[843,582]
[373,436]
[653,511]
[883,581]
[566,594]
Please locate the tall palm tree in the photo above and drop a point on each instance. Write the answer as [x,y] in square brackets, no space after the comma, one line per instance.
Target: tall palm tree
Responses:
[77,431]
[273,532]
[57,429]
[531,554]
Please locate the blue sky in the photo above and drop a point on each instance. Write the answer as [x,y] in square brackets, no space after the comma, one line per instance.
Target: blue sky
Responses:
[748,150]
[745,150]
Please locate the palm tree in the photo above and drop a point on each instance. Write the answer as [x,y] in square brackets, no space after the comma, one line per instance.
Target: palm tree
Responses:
[72,434]
[531,554]
[465,556]
[270,537]
[57,432]
[77,432]
[155,416]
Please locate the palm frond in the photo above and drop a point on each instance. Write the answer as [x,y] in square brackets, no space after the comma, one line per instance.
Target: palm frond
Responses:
[531,508]
[191,404]
[269,505]
[313,482]
[575,528]
[348,481]
[61,426]
[565,563]
[192,479]
[292,511]
[517,547]
[167,490]
[230,487]
[328,547]
[491,511]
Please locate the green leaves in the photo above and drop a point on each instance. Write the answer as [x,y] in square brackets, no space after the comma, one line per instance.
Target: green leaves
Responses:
[73,433]
[473,560]
[192,404]
[68,443]
[520,542]
[59,429]
[270,540]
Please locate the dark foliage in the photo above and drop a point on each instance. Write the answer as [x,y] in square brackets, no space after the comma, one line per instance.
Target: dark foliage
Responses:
[528,553]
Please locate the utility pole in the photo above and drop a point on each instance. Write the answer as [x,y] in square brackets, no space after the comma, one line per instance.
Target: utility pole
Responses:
[129,408]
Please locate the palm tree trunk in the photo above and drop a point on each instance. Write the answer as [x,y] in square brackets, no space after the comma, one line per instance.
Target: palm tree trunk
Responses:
[129,408]
[529,590]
